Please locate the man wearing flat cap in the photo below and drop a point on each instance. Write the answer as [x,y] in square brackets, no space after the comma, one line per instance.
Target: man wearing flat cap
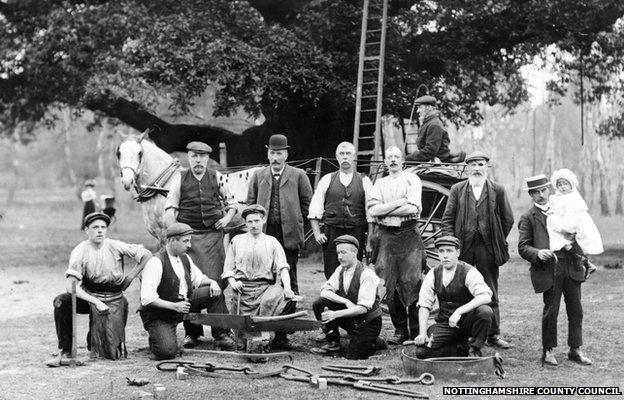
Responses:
[285,193]
[349,301]
[171,286]
[553,273]
[200,198]
[479,214]
[433,139]
[253,262]
[96,265]
[464,313]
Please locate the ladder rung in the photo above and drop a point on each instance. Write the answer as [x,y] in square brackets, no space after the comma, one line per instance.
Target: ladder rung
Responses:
[373,31]
[371,70]
[367,137]
[369,96]
[370,83]
[373,43]
[371,58]
[367,123]
[369,110]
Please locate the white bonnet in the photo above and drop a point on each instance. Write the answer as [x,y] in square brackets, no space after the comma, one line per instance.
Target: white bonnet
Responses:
[565,174]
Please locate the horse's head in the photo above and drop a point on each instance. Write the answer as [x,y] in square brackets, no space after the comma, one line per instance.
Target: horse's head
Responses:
[129,155]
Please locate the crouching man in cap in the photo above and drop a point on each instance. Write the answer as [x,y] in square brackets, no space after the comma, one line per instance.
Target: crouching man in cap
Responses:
[97,265]
[463,297]
[349,300]
[253,262]
[172,285]
[553,273]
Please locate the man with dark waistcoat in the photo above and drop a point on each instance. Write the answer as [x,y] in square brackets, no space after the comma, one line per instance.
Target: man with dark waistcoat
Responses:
[478,213]
[553,273]
[463,297]
[285,193]
[340,202]
[97,266]
[172,285]
[433,139]
[349,301]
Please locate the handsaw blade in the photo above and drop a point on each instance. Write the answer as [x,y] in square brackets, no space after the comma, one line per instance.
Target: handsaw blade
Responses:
[240,322]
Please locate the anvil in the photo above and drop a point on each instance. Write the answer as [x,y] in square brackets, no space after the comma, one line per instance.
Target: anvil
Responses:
[252,323]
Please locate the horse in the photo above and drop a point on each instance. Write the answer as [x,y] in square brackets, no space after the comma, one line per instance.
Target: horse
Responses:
[148,170]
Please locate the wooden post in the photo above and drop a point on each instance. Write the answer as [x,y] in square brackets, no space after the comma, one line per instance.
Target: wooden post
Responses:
[222,154]
[72,360]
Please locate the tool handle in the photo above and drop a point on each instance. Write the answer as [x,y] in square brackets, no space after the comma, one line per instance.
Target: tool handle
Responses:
[72,361]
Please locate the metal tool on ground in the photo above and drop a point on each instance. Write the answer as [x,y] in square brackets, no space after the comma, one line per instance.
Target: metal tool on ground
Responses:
[460,368]
[209,370]
[253,357]
[424,379]
[363,370]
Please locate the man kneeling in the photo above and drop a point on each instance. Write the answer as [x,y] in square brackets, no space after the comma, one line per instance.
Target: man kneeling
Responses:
[349,301]
[463,297]
[252,263]
[172,285]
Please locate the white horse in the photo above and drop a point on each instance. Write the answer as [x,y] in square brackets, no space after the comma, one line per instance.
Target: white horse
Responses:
[147,170]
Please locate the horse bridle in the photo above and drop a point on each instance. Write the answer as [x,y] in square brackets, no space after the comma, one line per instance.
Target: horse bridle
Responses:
[134,171]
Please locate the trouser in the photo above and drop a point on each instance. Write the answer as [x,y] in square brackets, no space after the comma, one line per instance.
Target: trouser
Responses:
[451,342]
[63,319]
[571,291]
[482,258]
[163,340]
[404,317]
[330,258]
[292,256]
[362,337]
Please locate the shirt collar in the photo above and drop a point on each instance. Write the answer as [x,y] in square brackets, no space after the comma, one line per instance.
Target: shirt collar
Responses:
[545,207]
[278,173]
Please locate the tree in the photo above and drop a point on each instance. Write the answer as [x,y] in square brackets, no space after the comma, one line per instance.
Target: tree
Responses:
[295,62]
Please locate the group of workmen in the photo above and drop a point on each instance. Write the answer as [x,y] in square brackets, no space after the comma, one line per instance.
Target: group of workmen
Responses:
[350,217]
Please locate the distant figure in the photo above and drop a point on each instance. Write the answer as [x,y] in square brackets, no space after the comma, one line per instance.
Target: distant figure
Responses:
[433,139]
[88,197]
[109,205]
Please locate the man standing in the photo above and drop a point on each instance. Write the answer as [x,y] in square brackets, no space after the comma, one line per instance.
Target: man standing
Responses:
[553,273]
[395,203]
[349,300]
[172,285]
[96,265]
[340,201]
[253,262]
[479,214]
[463,297]
[196,199]
[433,139]
[285,192]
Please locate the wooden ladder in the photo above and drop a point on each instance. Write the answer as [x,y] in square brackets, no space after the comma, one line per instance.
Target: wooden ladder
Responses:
[368,100]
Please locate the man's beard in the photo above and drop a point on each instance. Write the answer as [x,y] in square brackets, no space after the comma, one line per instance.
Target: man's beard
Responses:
[476,180]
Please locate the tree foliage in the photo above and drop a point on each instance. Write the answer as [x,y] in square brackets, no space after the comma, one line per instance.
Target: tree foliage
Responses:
[295,62]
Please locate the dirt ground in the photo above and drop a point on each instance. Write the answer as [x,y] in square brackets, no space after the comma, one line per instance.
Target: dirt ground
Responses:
[38,233]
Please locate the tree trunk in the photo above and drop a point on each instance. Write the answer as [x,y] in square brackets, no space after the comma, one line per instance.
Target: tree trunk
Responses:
[549,161]
[68,120]
[619,192]
[14,166]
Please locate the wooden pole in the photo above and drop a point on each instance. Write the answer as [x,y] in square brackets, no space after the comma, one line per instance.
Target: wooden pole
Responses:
[72,359]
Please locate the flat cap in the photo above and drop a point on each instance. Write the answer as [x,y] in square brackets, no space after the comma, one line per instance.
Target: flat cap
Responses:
[199,147]
[347,239]
[178,229]
[278,142]
[476,155]
[94,216]
[426,100]
[90,182]
[447,241]
[253,209]
[537,182]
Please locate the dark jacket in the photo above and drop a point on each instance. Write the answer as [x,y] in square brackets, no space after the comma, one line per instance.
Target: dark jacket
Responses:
[433,141]
[499,210]
[295,194]
[533,236]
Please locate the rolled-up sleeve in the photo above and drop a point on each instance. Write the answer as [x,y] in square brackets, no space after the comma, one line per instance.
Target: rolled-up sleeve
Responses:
[196,275]
[279,256]
[229,265]
[317,204]
[427,296]
[76,264]
[368,187]
[173,197]
[134,251]
[414,192]
[150,279]
[333,282]
[368,288]
[374,197]
[475,283]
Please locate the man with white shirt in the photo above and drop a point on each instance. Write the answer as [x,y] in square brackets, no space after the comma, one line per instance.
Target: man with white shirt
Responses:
[349,300]
[340,202]
[395,203]
[172,285]
[478,213]
[463,297]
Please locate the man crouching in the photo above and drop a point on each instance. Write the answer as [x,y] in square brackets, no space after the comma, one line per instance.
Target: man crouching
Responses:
[463,297]
[349,301]
[172,285]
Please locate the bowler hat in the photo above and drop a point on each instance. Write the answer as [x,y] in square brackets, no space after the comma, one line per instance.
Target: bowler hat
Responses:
[447,241]
[89,218]
[476,155]
[537,182]
[278,142]
[199,147]
[178,229]
[425,100]
[347,239]
[253,209]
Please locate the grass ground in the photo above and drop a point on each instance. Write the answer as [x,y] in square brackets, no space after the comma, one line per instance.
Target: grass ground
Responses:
[38,233]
